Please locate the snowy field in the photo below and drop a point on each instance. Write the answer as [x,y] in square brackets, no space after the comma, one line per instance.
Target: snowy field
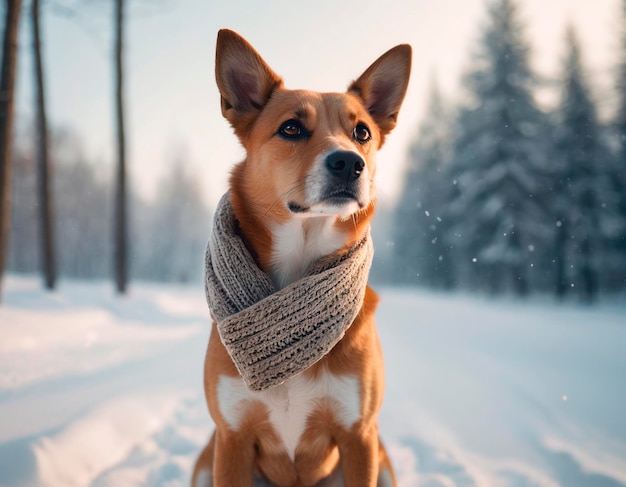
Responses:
[100,391]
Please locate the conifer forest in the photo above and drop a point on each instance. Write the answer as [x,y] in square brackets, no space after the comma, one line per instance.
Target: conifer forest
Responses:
[504,196]
[501,194]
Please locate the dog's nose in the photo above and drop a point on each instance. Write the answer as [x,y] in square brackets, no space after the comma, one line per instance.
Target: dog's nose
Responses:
[345,165]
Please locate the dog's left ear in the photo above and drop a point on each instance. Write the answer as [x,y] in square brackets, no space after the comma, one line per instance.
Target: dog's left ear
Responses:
[383,85]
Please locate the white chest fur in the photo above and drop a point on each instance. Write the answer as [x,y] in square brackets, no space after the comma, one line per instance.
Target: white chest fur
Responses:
[291,403]
[300,242]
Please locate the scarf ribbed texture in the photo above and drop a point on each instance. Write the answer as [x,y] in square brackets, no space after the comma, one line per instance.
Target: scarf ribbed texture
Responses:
[273,335]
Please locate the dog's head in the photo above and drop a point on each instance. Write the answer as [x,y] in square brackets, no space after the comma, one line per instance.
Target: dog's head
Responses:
[308,154]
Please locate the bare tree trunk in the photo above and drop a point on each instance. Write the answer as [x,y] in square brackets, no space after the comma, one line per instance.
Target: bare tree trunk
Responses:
[46,213]
[7,90]
[121,234]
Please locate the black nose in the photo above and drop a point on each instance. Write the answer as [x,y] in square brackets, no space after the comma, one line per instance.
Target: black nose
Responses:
[345,165]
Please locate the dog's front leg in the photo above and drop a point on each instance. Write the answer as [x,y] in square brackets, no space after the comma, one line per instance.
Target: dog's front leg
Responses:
[358,452]
[234,462]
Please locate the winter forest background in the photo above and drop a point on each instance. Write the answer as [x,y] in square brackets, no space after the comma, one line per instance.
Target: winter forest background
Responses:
[502,194]
[513,184]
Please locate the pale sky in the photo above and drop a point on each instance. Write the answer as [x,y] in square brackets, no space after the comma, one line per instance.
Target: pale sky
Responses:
[172,100]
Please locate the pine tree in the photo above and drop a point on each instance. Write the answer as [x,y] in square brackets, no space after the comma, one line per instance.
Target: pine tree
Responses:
[582,196]
[420,252]
[496,206]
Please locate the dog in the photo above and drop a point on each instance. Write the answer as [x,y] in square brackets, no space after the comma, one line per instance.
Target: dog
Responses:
[304,191]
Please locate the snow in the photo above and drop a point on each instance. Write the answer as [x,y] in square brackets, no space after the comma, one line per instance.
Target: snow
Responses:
[102,391]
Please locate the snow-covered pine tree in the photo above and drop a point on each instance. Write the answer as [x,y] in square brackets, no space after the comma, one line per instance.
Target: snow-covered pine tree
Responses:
[583,199]
[497,207]
[420,254]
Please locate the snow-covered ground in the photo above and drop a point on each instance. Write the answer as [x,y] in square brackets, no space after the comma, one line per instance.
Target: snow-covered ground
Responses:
[101,391]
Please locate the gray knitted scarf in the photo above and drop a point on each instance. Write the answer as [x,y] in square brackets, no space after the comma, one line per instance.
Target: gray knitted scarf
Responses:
[273,335]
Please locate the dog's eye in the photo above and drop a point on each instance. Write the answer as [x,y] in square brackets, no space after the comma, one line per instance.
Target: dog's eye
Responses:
[361,133]
[291,129]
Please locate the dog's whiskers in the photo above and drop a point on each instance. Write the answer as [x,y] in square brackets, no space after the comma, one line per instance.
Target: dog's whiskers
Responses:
[283,195]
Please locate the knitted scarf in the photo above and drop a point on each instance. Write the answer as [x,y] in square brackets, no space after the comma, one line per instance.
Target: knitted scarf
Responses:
[270,334]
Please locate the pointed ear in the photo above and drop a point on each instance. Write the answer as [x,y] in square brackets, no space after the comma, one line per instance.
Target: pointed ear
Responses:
[244,80]
[383,85]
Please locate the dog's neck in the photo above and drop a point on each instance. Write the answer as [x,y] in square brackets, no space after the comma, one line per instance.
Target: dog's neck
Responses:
[286,247]
[298,243]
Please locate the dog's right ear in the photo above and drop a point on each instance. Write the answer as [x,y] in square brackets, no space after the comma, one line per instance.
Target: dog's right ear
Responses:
[383,85]
[244,79]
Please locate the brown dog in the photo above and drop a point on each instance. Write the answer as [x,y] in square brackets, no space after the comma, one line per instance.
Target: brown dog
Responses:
[304,191]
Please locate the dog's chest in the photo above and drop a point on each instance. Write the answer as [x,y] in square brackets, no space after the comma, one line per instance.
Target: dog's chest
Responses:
[290,404]
[298,243]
